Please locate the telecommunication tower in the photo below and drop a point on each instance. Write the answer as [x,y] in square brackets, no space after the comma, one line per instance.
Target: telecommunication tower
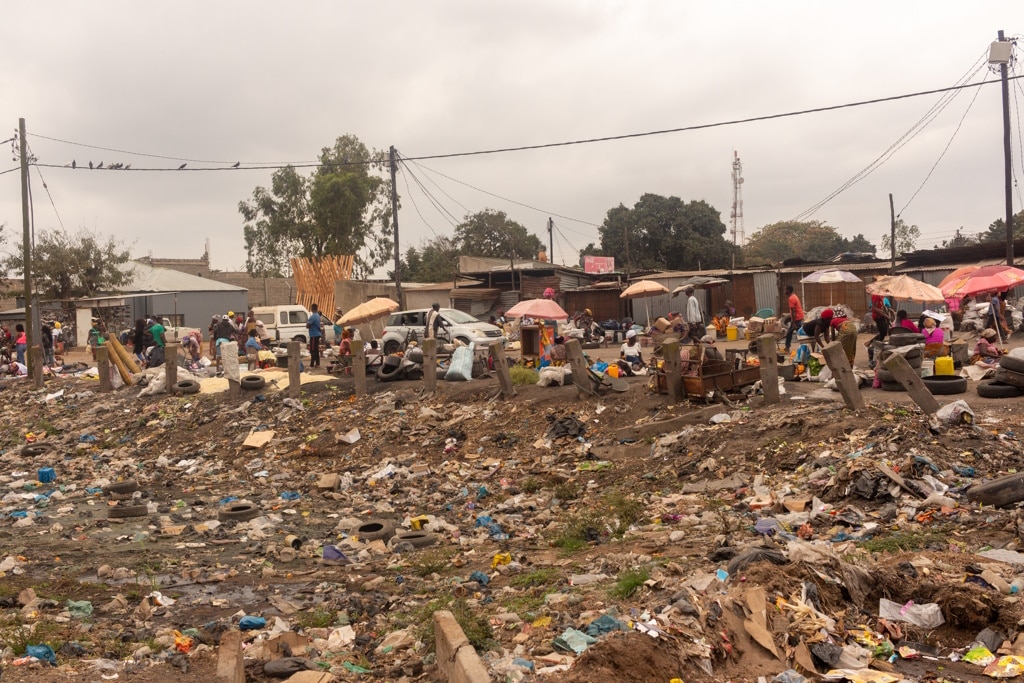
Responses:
[738,237]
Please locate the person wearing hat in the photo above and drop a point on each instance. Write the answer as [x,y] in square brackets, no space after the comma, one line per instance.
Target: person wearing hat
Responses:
[629,354]
[986,353]
[693,316]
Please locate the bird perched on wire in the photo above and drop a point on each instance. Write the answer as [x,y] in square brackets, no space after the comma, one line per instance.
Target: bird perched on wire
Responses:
[90,165]
[236,164]
[182,166]
[127,166]
[100,165]
[74,164]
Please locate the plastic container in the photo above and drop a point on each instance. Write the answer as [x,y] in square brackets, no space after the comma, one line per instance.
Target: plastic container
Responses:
[732,333]
[613,370]
[46,475]
[711,331]
[943,365]
[927,368]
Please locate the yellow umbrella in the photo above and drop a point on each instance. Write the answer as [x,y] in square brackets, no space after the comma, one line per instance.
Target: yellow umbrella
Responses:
[905,288]
[643,289]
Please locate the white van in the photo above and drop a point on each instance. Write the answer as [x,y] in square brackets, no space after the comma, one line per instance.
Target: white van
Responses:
[284,323]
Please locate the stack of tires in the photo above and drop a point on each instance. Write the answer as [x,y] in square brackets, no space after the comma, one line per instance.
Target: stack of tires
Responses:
[1008,382]
[914,357]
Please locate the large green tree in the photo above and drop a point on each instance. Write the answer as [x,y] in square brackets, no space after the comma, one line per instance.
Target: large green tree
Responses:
[808,240]
[665,233]
[906,238]
[343,207]
[996,231]
[493,234]
[66,266]
[436,260]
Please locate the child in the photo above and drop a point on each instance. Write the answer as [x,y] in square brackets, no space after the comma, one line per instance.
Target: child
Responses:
[252,350]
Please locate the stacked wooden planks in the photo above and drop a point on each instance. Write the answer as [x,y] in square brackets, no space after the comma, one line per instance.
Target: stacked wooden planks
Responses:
[315,278]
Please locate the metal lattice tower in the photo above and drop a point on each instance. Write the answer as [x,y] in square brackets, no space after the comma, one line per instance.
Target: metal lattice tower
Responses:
[738,236]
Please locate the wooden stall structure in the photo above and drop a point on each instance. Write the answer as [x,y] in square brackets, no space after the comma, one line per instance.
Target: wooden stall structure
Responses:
[315,278]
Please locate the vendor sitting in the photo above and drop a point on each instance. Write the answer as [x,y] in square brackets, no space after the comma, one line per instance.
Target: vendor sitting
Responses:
[985,352]
[906,323]
[931,331]
[820,329]
[558,351]
[629,354]
[711,351]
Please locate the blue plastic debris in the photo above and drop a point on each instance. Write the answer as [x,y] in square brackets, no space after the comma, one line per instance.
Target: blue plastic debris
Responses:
[251,623]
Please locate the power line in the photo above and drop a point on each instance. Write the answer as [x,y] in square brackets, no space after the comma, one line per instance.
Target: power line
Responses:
[47,188]
[415,205]
[447,215]
[10,170]
[443,191]
[944,150]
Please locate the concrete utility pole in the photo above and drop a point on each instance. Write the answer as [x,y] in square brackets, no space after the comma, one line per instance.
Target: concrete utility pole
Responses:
[551,240]
[26,247]
[394,223]
[1000,53]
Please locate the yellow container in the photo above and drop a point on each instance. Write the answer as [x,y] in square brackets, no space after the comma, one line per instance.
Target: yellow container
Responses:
[731,333]
[613,370]
[944,365]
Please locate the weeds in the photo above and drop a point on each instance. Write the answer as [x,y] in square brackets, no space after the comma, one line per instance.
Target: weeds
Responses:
[610,518]
[566,490]
[546,576]
[628,582]
[522,375]
[530,485]
[904,542]
[318,618]
[432,562]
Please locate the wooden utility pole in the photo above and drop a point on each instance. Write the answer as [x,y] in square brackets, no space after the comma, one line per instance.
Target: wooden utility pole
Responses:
[551,240]
[1007,163]
[26,246]
[892,236]
[394,223]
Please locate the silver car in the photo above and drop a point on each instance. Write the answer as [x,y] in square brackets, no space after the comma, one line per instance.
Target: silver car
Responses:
[405,326]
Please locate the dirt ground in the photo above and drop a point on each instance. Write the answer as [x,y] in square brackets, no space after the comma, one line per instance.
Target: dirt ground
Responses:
[621,499]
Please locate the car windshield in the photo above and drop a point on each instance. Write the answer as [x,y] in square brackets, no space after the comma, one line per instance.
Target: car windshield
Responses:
[459,317]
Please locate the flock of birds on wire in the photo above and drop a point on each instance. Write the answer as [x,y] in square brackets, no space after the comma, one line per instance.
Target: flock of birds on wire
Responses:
[124,167]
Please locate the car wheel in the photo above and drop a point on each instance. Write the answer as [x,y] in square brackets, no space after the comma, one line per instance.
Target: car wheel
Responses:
[187,386]
[1011,363]
[299,338]
[463,340]
[417,539]
[376,530]
[892,386]
[238,512]
[391,347]
[34,449]
[944,385]
[125,511]
[252,382]
[996,389]
[1010,377]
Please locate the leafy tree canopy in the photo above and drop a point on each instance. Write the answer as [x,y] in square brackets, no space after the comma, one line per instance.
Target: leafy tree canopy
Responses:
[492,234]
[66,266]
[906,238]
[808,240]
[665,233]
[343,207]
[996,231]
[436,260]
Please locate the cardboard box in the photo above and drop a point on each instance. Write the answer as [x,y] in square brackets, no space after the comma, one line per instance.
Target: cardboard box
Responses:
[755,325]
[662,324]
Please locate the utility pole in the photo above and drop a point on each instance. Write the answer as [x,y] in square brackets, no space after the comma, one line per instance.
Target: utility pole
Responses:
[394,223]
[892,236]
[1007,166]
[551,240]
[26,247]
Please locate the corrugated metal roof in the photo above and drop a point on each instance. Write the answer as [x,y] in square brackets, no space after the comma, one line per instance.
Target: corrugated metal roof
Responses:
[150,279]
[852,267]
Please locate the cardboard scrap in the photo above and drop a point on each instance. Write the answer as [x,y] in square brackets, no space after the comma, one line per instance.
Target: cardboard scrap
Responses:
[756,624]
[258,439]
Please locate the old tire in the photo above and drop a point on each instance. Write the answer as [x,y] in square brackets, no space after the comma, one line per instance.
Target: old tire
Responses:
[885,376]
[1001,492]
[34,449]
[252,382]
[390,347]
[892,386]
[944,385]
[374,530]
[1010,377]
[1012,363]
[996,389]
[125,511]
[186,386]
[388,373]
[238,512]
[915,361]
[906,338]
[126,486]
[417,539]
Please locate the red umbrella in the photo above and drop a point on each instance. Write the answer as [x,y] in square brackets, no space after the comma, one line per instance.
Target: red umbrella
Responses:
[987,279]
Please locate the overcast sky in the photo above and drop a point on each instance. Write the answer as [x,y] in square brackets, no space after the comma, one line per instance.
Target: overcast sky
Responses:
[271,81]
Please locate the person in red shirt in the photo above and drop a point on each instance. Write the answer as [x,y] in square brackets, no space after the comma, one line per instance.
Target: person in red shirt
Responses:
[796,315]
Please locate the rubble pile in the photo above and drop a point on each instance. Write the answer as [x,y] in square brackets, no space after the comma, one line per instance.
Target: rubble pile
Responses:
[783,542]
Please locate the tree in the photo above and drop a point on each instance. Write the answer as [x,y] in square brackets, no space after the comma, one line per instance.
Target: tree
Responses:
[437,260]
[959,239]
[492,234]
[996,231]
[343,207]
[906,238]
[666,233]
[808,240]
[66,266]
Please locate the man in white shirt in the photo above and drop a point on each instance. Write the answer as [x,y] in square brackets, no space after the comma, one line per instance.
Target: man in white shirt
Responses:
[693,317]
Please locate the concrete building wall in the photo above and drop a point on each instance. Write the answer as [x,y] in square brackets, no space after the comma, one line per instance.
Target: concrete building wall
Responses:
[263,291]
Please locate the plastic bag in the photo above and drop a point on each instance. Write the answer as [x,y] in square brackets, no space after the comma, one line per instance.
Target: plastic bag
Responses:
[925,616]
[461,368]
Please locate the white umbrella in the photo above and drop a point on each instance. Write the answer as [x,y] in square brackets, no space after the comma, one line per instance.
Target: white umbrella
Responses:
[830,276]
[644,289]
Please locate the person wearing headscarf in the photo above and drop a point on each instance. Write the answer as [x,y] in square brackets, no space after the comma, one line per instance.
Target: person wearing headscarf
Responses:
[933,334]
[711,351]
[846,331]
[820,329]
[986,353]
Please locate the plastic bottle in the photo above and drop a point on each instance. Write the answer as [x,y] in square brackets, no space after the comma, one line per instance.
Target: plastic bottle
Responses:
[1017,585]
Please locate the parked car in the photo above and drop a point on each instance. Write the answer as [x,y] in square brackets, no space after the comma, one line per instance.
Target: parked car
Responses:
[403,326]
[287,322]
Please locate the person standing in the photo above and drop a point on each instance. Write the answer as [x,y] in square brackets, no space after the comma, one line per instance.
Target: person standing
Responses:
[881,318]
[694,317]
[315,325]
[338,327]
[223,332]
[796,315]
[157,358]
[434,321]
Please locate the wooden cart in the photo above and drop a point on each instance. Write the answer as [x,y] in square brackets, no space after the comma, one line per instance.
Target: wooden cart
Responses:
[702,376]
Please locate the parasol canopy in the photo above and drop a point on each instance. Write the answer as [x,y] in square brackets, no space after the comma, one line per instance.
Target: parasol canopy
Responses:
[546,309]
[644,289]
[957,274]
[368,311]
[699,282]
[830,276]
[987,279]
[905,288]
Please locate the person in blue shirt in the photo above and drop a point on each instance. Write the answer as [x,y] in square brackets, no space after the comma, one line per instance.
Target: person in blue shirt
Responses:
[315,325]
[252,349]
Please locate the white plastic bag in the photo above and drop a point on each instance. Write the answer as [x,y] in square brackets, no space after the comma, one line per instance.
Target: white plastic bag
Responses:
[462,365]
[925,616]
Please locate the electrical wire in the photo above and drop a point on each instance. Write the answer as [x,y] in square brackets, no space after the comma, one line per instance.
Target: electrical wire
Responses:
[1020,142]
[447,215]
[31,155]
[10,170]
[414,204]
[443,191]
[944,150]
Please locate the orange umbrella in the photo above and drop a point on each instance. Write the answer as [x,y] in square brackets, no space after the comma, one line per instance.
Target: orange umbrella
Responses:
[960,272]
[987,279]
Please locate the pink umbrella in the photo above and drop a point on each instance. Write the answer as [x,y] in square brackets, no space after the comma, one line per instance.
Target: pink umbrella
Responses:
[987,279]
[537,308]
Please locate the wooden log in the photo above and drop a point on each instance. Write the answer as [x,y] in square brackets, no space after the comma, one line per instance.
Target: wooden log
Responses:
[122,369]
[103,368]
[429,365]
[767,353]
[673,370]
[508,390]
[905,375]
[294,377]
[359,368]
[122,353]
[171,365]
[580,377]
[839,364]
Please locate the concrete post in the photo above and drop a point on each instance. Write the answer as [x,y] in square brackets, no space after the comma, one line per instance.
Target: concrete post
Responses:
[508,390]
[103,368]
[767,353]
[429,365]
[294,377]
[171,365]
[673,370]
[359,367]
[847,382]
